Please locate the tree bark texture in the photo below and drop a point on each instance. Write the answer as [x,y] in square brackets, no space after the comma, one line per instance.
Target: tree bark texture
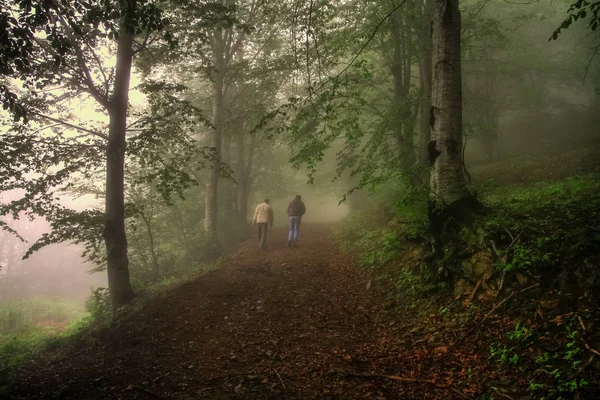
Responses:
[400,67]
[114,229]
[425,77]
[211,206]
[244,175]
[445,147]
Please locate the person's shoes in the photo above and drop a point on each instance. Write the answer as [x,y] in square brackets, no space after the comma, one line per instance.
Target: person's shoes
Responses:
[295,244]
[289,243]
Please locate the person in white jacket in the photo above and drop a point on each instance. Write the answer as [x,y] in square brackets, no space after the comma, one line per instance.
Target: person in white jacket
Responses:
[263,220]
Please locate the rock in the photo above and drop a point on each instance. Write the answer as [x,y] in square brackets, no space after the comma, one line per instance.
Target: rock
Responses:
[483,270]
[467,268]
[490,289]
[462,286]
[549,304]
[522,278]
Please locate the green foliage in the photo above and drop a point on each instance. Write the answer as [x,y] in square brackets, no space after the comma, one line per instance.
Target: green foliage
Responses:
[520,333]
[22,316]
[16,349]
[27,326]
[508,353]
[527,199]
[444,312]
[504,354]
[98,304]
[379,233]
[580,10]
[546,226]
[553,374]
[521,259]
[412,215]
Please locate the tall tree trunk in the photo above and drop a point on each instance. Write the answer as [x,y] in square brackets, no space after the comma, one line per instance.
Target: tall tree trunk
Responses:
[490,132]
[400,59]
[152,248]
[114,228]
[425,72]
[445,147]
[211,207]
[245,167]
[228,190]
[242,180]
[243,193]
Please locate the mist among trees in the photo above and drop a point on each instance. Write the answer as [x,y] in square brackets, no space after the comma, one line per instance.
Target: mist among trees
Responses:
[446,151]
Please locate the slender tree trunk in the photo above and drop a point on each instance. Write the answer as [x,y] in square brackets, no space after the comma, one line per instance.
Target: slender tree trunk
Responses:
[404,138]
[211,206]
[242,181]
[491,132]
[154,255]
[243,194]
[244,197]
[445,147]
[228,190]
[425,72]
[114,229]
[404,119]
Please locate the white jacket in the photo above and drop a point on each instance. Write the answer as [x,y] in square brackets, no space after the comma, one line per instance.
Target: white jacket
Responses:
[263,214]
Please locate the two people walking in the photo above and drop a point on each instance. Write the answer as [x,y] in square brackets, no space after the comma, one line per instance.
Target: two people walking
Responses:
[263,220]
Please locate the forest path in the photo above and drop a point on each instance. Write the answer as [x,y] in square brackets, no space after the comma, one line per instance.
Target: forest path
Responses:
[279,323]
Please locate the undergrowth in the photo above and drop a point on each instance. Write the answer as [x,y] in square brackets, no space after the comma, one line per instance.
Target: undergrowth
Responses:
[63,322]
[550,228]
[547,233]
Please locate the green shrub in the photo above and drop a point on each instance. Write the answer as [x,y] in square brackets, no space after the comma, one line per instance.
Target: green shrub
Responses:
[98,304]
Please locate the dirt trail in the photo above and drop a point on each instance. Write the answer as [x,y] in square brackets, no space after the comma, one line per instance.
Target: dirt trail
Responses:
[281,323]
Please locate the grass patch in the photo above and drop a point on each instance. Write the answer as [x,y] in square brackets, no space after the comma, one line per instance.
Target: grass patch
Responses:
[30,326]
[523,199]
[552,226]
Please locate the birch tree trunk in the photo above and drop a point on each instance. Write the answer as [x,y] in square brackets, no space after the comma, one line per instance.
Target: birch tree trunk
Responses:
[211,206]
[114,229]
[445,147]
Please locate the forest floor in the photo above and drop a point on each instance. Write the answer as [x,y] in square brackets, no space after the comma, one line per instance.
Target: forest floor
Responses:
[279,323]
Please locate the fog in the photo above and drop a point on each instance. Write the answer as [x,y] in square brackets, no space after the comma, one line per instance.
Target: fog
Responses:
[56,271]
[523,96]
[321,208]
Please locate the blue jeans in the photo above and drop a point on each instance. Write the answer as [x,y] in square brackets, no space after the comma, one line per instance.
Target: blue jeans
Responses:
[294,228]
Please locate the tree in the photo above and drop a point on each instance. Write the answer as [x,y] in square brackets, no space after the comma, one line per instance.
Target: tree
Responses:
[117,263]
[54,45]
[445,147]
[425,79]
[212,183]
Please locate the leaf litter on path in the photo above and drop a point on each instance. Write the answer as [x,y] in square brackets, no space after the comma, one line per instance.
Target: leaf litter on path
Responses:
[251,329]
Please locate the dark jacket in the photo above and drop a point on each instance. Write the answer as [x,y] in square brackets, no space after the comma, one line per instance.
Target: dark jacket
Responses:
[296,208]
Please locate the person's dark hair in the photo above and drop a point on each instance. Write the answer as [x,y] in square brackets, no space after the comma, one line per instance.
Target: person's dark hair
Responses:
[298,197]
[266,201]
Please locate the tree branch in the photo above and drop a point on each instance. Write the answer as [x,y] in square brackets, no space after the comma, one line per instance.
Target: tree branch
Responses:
[65,123]
[100,98]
